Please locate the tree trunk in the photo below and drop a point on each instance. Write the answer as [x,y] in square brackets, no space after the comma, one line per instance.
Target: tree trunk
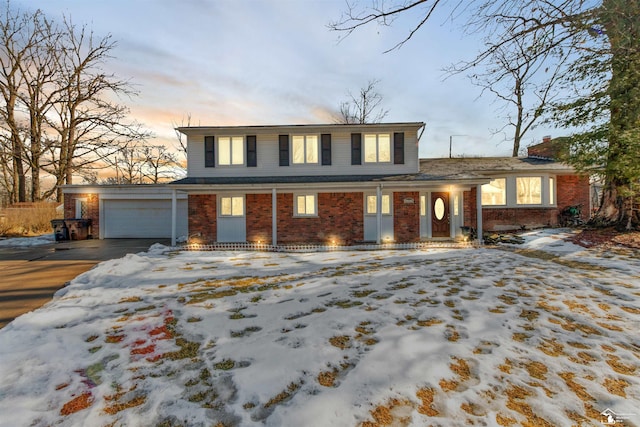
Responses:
[622,172]
[35,155]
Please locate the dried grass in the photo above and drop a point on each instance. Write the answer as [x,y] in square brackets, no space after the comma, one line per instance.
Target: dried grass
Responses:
[30,220]
[342,341]
[389,414]
[616,386]
[426,395]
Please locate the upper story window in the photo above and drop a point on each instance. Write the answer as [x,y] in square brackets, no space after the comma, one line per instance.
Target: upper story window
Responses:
[230,150]
[377,148]
[529,190]
[495,193]
[304,149]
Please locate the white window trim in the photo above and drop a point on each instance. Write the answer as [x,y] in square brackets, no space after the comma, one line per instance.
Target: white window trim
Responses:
[244,152]
[512,191]
[231,196]
[377,135]
[543,198]
[305,215]
[304,144]
[366,206]
[506,193]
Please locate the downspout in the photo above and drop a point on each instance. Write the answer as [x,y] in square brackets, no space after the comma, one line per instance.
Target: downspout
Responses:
[274,218]
[174,211]
[379,213]
[479,212]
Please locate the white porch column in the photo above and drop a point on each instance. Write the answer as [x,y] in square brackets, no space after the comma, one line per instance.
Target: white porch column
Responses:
[379,213]
[174,214]
[274,218]
[479,212]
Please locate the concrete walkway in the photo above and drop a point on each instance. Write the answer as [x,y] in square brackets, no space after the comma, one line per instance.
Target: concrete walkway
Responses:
[31,275]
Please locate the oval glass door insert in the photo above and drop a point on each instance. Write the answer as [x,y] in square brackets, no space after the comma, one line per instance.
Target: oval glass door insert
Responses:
[438,208]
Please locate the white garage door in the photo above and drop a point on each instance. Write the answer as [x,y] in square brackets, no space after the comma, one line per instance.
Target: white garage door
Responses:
[142,218]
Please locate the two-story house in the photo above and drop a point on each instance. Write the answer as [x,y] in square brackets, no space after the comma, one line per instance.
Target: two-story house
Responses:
[331,184]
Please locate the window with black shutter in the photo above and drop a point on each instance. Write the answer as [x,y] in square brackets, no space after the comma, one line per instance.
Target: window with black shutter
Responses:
[356,149]
[284,150]
[325,140]
[209,152]
[398,148]
[252,152]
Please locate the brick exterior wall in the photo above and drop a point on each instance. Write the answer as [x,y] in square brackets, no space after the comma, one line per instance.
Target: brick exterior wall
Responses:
[500,219]
[470,212]
[571,190]
[202,210]
[406,217]
[340,220]
[93,210]
[259,218]
[574,190]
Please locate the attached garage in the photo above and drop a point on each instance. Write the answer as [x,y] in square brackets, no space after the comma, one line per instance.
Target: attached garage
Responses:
[128,211]
[126,218]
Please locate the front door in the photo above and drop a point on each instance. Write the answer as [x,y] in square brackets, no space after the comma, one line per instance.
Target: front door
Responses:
[440,225]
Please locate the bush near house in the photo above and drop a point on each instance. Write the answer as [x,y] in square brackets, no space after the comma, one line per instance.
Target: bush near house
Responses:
[27,219]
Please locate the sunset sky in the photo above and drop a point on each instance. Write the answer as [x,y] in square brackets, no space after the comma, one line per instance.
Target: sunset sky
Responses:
[248,62]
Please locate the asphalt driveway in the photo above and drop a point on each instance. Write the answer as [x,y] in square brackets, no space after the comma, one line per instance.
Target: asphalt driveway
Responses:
[31,275]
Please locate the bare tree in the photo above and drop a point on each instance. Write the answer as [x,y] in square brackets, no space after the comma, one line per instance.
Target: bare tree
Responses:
[86,122]
[524,78]
[182,142]
[56,115]
[159,163]
[38,94]
[364,108]
[16,38]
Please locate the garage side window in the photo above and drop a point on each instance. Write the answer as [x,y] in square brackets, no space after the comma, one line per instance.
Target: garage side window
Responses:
[231,206]
[81,208]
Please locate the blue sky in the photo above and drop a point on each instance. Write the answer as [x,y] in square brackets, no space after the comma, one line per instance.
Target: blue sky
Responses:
[247,62]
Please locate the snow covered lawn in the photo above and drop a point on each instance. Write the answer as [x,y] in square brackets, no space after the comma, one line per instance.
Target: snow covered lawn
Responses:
[543,334]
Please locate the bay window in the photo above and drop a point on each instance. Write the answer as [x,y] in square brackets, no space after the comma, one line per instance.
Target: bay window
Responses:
[529,190]
[495,193]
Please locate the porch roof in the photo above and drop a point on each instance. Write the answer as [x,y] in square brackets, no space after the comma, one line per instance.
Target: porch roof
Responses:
[319,179]
[487,166]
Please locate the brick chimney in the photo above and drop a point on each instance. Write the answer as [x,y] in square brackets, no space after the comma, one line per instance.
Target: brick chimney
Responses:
[547,149]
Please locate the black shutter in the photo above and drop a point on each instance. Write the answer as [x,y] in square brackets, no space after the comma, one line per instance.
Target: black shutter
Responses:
[209,152]
[325,140]
[398,148]
[284,150]
[356,149]
[252,151]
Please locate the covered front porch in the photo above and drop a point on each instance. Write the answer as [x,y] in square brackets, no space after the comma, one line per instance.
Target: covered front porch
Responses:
[377,212]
